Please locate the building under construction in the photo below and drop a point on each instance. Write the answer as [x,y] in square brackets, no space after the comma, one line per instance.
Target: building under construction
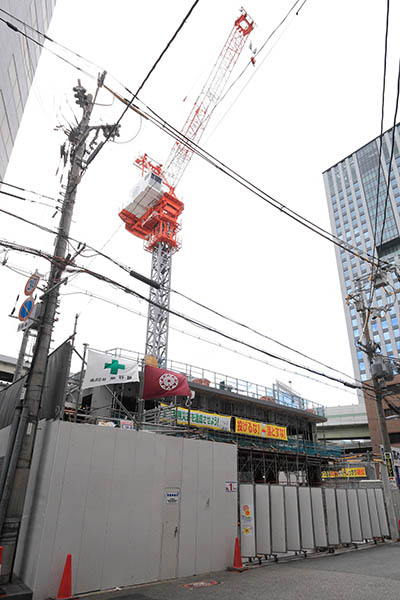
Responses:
[274,428]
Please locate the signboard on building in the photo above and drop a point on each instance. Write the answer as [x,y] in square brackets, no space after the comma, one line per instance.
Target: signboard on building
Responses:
[345,472]
[264,430]
[197,418]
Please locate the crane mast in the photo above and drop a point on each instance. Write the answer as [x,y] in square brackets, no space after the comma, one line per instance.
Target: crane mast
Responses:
[154,209]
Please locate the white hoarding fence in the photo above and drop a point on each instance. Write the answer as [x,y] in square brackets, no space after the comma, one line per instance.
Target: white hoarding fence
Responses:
[275,519]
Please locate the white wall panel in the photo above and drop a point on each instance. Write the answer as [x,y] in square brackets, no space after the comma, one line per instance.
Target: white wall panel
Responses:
[292,519]
[117,572]
[364,514]
[321,540]
[331,516]
[224,507]
[204,520]
[373,513]
[343,516]
[263,519]
[278,532]
[188,524]
[306,519]
[247,520]
[354,514]
[380,505]
[95,500]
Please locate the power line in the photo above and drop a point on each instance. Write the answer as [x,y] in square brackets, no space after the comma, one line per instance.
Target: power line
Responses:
[391,155]
[170,130]
[165,126]
[249,328]
[22,189]
[14,28]
[186,333]
[129,270]
[380,170]
[213,329]
[195,322]
[29,200]
[271,35]
[154,66]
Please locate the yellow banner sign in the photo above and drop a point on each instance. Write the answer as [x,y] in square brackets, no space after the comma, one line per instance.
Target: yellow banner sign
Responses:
[345,472]
[197,418]
[263,430]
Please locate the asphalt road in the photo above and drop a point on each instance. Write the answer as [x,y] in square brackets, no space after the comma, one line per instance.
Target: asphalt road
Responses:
[366,574]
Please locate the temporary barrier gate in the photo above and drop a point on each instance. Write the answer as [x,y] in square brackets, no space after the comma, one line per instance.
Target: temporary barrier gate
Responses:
[277,519]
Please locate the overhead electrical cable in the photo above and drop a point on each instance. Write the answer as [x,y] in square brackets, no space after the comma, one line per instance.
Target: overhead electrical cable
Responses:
[391,156]
[170,130]
[380,169]
[127,269]
[14,28]
[16,197]
[197,337]
[22,189]
[101,277]
[258,52]
[126,289]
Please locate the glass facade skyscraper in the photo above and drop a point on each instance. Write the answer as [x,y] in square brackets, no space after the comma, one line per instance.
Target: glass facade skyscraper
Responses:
[351,189]
[18,60]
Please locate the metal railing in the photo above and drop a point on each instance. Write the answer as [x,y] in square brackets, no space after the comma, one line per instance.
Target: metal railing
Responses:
[235,385]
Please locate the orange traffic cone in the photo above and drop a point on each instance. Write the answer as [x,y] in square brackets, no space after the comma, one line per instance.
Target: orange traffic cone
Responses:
[237,559]
[65,589]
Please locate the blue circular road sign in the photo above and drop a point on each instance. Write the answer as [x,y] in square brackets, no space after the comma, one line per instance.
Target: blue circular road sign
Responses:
[26,309]
[31,284]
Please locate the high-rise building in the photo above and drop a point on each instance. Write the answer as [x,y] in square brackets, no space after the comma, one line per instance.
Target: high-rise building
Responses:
[18,60]
[357,210]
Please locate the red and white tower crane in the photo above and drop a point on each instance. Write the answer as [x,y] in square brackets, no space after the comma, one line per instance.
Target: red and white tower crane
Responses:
[154,209]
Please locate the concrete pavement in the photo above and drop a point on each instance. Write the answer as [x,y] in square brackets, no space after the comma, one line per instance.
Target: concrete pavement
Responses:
[369,573]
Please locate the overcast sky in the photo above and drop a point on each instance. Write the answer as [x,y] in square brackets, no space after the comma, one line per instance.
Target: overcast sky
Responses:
[313,98]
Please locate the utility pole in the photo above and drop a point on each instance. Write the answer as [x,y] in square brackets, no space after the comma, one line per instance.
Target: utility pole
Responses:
[14,492]
[380,373]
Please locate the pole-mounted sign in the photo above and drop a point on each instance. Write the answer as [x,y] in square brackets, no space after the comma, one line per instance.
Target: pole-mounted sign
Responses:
[26,309]
[32,284]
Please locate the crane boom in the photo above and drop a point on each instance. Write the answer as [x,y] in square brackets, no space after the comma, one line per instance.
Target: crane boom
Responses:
[154,209]
[208,99]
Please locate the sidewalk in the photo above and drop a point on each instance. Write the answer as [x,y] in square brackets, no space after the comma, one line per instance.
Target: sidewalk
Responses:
[370,573]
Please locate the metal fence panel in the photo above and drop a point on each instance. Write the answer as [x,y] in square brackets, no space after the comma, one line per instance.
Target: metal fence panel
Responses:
[292,519]
[247,521]
[306,520]
[380,504]
[318,518]
[373,511]
[278,533]
[343,516]
[331,516]
[354,514]
[364,514]
[263,521]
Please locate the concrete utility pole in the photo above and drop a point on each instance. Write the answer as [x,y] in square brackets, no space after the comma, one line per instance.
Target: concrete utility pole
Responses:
[380,373]
[14,491]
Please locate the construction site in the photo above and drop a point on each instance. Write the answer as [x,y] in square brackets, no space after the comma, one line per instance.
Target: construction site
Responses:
[138,468]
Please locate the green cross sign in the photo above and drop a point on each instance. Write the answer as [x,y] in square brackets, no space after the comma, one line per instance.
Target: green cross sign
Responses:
[114,366]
